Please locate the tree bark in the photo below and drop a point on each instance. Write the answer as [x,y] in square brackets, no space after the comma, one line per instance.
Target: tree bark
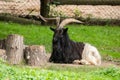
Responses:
[44,9]
[3,54]
[2,44]
[14,49]
[35,55]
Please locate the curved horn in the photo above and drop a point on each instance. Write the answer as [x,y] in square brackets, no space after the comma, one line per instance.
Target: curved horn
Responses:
[57,21]
[67,21]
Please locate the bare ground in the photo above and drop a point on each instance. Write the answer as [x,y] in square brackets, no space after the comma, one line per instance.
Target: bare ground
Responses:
[105,63]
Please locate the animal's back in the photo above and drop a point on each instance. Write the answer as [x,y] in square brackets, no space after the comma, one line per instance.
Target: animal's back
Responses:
[74,51]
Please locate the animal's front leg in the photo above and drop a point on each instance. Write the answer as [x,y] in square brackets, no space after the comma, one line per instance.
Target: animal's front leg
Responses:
[83,62]
[76,62]
[51,59]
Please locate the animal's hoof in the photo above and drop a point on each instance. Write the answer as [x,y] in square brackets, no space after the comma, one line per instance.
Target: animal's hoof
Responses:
[76,62]
[84,62]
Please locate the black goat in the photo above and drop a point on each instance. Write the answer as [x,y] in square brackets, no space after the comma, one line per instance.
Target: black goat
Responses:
[68,51]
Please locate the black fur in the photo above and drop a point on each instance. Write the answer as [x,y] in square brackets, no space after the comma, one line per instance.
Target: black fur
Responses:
[64,49]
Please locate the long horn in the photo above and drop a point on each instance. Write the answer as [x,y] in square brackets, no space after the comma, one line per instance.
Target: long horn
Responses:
[58,21]
[67,21]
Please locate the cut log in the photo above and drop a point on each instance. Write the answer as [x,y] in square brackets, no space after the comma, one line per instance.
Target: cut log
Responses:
[14,49]
[35,55]
[2,44]
[3,54]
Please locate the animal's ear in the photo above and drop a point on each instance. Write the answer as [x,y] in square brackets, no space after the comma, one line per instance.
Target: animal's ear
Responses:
[65,30]
[52,29]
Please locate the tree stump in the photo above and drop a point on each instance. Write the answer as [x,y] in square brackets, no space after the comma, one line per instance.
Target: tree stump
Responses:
[2,44]
[14,49]
[3,54]
[35,55]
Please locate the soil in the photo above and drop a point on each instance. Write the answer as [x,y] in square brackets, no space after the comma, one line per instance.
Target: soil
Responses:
[105,63]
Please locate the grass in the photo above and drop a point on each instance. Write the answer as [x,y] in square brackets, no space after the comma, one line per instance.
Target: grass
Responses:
[33,35]
[105,38]
[8,72]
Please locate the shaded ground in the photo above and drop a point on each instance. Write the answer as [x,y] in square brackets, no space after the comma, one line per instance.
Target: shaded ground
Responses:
[105,63]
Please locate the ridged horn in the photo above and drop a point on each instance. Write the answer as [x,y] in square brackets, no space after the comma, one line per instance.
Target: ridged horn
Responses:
[57,21]
[67,21]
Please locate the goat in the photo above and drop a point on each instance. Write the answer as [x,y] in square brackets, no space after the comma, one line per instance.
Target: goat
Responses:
[64,50]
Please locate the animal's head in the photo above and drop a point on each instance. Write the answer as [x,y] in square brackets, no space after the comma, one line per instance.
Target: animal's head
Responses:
[60,32]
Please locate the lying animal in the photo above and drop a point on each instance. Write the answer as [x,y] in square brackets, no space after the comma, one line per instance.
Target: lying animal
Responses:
[64,50]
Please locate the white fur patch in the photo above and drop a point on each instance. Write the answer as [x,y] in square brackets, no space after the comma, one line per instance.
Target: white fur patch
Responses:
[90,55]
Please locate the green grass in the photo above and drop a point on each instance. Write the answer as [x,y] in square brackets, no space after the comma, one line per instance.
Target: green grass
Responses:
[105,38]
[8,72]
[33,35]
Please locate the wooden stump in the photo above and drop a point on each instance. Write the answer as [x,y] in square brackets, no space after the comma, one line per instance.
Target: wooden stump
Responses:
[35,55]
[14,49]
[2,44]
[3,54]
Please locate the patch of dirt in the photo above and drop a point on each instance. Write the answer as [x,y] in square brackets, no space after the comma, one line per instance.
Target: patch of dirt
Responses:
[105,63]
